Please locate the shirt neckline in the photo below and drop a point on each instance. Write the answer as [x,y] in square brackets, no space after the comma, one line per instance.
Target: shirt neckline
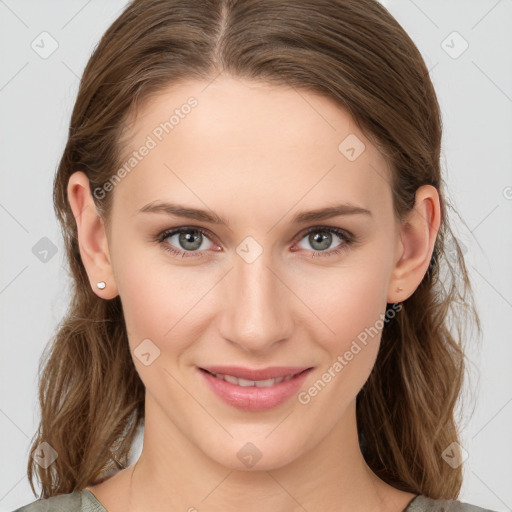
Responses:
[408,507]
[103,509]
[95,500]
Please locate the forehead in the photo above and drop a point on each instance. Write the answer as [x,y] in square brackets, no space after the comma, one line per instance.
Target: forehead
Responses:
[253,141]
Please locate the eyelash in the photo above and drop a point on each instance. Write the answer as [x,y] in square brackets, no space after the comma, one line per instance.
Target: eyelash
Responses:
[348,240]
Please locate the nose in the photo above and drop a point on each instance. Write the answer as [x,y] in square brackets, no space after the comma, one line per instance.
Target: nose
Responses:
[256,305]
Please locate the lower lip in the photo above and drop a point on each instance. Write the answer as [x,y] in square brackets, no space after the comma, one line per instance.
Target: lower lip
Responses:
[252,398]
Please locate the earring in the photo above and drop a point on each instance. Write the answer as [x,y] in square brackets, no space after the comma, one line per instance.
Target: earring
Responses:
[101,285]
[399,289]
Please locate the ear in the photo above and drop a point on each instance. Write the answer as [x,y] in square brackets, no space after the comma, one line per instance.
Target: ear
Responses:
[418,234]
[92,237]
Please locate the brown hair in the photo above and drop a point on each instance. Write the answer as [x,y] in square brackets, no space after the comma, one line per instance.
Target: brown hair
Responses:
[352,52]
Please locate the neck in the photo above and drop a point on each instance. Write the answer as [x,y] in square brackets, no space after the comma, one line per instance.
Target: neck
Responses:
[330,476]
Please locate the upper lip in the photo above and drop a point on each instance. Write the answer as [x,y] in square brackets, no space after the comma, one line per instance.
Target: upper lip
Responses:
[253,374]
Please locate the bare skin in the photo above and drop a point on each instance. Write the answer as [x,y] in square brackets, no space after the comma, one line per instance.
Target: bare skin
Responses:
[256,155]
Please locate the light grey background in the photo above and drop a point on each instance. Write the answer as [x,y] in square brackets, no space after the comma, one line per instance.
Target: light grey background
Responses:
[36,98]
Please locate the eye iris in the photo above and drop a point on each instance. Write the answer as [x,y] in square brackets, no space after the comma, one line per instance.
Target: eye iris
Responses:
[325,239]
[186,238]
[191,239]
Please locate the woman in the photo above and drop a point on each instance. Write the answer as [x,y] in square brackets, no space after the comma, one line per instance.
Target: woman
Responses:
[254,216]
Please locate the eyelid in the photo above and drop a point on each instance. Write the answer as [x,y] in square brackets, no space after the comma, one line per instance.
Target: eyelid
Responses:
[175,231]
[347,237]
[324,227]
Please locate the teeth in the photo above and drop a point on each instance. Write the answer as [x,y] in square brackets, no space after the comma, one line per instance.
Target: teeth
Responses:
[227,378]
[248,383]
[267,383]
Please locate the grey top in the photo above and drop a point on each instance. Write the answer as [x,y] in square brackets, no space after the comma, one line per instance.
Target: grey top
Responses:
[85,501]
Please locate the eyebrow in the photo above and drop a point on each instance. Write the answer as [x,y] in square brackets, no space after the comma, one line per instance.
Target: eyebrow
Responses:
[178,210]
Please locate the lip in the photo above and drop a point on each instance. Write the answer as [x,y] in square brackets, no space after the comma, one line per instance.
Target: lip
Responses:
[253,398]
[256,374]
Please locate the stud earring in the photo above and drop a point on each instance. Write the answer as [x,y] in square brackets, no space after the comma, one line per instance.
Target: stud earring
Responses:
[399,289]
[101,285]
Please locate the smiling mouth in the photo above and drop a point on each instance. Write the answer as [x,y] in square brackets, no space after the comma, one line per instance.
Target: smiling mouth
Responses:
[254,383]
[275,386]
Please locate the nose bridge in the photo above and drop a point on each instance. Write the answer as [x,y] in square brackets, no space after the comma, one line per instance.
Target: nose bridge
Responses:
[256,309]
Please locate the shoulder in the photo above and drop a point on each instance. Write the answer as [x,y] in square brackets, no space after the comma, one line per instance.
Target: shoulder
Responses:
[424,504]
[78,501]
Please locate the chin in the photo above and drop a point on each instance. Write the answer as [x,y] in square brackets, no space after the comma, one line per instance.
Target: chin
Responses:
[255,455]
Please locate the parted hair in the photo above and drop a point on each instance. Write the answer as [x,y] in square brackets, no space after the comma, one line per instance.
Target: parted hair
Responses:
[353,52]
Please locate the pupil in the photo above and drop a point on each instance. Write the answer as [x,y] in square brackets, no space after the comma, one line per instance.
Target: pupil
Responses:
[187,238]
[323,238]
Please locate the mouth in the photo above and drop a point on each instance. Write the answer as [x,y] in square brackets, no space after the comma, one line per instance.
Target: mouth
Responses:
[254,395]
[262,383]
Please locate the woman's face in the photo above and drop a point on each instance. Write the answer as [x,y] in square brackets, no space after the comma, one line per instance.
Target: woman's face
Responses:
[264,289]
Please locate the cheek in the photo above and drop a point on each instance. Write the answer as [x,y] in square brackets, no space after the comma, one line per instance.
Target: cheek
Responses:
[354,312]
[158,299]
[146,294]
[351,351]
[349,302]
